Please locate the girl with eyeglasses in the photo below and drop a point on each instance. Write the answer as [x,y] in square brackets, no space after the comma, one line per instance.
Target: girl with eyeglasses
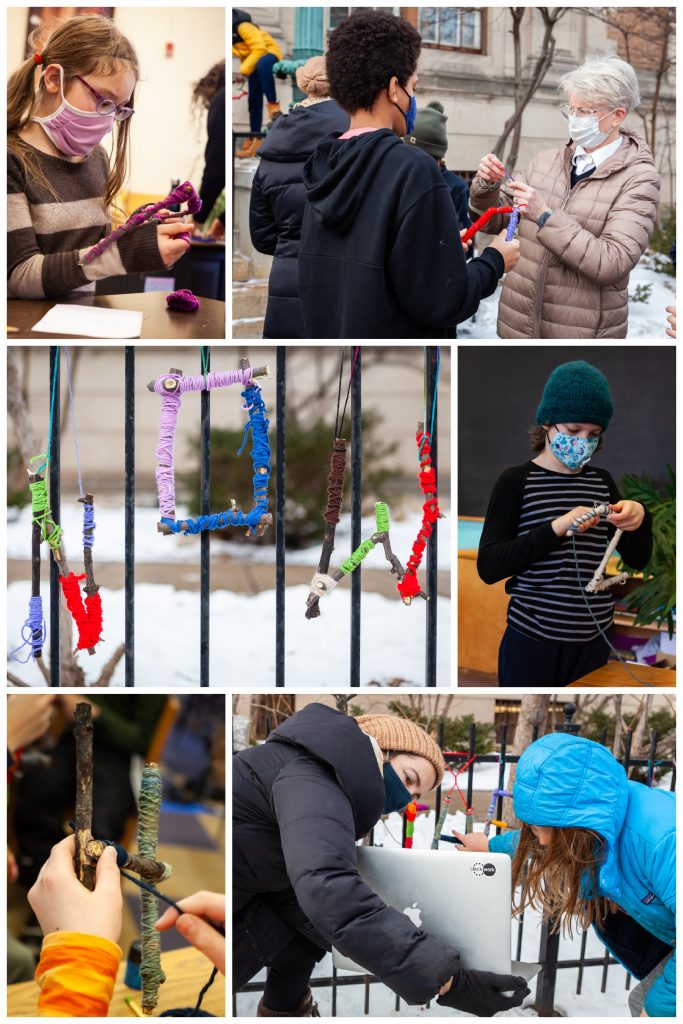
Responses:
[75,90]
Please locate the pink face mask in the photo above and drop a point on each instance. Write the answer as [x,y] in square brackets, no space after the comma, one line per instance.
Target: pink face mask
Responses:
[75,132]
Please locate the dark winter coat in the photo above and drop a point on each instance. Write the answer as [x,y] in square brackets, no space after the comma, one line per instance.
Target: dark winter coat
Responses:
[300,802]
[460,193]
[277,207]
[380,253]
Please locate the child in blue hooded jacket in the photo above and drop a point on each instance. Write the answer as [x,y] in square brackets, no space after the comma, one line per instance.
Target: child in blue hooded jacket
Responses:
[602,852]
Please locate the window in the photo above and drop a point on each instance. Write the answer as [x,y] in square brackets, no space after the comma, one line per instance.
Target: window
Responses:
[458,28]
[338,14]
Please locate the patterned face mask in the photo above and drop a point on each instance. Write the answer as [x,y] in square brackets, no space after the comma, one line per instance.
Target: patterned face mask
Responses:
[573,452]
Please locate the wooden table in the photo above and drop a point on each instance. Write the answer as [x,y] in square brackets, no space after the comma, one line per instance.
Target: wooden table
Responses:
[614,674]
[206,324]
[187,970]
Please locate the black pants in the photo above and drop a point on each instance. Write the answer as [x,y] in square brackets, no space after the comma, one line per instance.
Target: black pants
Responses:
[46,797]
[525,662]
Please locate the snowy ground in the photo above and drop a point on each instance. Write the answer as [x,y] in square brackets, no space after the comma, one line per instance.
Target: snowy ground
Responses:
[591,1003]
[645,319]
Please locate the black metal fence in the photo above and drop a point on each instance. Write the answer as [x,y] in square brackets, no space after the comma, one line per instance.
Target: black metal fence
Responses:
[354,679]
[549,943]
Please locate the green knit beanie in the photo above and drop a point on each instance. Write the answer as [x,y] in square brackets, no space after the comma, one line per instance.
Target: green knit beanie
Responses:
[430,130]
[576,393]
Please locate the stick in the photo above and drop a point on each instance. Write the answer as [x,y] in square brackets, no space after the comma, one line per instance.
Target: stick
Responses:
[85,865]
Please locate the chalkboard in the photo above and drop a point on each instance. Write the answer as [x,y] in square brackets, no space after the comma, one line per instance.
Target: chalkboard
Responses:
[499,390]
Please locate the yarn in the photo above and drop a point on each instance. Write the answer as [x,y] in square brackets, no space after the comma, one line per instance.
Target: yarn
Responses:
[512,225]
[89,524]
[483,221]
[382,516]
[409,586]
[42,514]
[148,829]
[33,632]
[184,193]
[88,617]
[183,301]
[354,560]
[335,482]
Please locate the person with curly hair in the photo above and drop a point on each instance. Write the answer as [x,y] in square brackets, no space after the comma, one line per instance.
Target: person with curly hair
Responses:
[380,255]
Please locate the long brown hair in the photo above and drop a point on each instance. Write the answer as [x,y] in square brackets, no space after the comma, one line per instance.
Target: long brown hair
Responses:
[84,45]
[560,879]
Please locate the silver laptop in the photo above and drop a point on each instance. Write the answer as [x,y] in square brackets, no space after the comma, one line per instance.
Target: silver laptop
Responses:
[462,898]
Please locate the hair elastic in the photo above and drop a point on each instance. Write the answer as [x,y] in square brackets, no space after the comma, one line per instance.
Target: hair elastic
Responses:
[38,58]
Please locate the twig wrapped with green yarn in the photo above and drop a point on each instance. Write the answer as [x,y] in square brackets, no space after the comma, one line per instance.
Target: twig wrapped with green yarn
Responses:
[148,829]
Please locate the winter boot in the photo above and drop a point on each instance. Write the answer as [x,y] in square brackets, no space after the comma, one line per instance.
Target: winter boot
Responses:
[306,1008]
[248,148]
[273,111]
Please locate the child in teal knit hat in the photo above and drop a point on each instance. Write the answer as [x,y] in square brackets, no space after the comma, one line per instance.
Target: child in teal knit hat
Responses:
[556,632]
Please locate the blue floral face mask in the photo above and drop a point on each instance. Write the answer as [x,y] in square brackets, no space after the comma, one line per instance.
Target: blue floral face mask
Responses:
[573,452]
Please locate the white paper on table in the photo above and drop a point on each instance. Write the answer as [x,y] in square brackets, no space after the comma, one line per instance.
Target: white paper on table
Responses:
[90,322]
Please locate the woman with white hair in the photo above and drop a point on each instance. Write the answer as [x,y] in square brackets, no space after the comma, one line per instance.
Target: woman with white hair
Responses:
[587,213]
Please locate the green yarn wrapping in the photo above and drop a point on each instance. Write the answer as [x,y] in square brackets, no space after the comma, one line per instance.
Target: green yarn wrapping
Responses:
[148,829]
[382,516]
[354,560]
[42,514]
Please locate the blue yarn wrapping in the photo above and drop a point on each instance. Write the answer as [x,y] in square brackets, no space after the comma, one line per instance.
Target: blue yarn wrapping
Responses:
[88,524]
[512,224]
[258,424]
[33,632]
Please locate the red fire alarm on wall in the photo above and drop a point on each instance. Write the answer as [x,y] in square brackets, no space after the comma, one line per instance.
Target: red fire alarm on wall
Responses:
[169,49]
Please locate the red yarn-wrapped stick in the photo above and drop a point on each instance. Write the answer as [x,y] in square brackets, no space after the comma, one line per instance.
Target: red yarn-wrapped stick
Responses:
[184,193]
[88,617]
[409,586]
[483,221]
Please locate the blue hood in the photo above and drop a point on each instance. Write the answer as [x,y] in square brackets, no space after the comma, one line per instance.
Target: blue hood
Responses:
[565,781]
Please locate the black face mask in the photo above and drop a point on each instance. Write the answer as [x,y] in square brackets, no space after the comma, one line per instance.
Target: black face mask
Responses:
[396,796]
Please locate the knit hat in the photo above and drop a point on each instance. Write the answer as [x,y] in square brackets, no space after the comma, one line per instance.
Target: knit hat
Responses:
[403,736]
[311,77]
[576,393]
[430,130]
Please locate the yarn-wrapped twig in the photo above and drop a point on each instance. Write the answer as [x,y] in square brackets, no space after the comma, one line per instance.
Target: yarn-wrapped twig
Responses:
[87,615]
[331,516]
[148,831]
[184,193]
[409,586]
[482,221]
[512,224]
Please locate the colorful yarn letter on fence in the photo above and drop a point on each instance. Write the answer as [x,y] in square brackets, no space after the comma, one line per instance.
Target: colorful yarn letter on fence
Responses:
[409,586]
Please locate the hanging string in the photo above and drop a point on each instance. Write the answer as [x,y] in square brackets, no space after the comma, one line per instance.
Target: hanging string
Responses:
[435,393]
[339,424]
[73,420]
[52,413]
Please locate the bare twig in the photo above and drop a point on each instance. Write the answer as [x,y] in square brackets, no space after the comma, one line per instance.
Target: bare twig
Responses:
[85,865]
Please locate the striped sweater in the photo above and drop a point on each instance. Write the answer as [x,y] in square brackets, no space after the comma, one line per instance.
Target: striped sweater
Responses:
[46,237]
[519,544]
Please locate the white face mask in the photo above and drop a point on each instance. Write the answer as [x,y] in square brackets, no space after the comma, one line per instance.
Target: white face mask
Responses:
[585,131]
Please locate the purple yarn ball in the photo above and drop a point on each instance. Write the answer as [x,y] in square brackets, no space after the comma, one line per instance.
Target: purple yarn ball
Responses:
[183,301]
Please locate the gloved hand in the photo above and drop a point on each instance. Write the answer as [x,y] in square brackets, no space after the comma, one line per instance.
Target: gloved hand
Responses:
[483,993]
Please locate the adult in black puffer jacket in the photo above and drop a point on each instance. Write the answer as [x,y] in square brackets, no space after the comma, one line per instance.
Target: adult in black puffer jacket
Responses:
[300,802]
[278,196]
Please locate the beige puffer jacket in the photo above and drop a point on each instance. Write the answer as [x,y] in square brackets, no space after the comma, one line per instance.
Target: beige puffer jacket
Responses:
[572,277]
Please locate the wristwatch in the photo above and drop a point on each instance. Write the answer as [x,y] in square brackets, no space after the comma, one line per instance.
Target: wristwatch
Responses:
[544,217]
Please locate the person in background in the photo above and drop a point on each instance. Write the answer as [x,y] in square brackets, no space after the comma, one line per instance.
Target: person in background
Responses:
[430,135]
[258,52]
[209,94]
[278,196]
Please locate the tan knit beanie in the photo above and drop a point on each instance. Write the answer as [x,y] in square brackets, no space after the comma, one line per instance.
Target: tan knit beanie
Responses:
[402,735]
[311,77]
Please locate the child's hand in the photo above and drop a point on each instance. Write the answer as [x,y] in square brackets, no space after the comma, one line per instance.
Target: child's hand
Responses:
[62,904]
[562,524]
[475,842]
[508,250]
[671,330]
[201,905]
[172,247]
[626,515]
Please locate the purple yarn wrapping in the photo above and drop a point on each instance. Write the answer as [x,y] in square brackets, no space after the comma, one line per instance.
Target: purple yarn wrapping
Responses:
[184,193]
[512,224]
[88,524]
[168,422]
[183,301]
[33,632]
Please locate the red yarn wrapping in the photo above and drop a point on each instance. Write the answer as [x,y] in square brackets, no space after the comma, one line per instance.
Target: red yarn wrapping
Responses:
[88,617]
[183,301]
[409,586]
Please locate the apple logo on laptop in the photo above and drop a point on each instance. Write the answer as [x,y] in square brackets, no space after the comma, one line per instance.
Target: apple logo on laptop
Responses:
[415,914]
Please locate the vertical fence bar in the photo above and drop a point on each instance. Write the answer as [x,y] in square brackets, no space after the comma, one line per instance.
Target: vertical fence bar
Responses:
[470,777]
[431,360]
[356,464]
[55,505]
[129,515]
[205,535]
[281,455]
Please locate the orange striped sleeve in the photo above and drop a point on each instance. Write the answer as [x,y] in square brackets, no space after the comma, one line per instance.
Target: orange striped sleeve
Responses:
[76,975]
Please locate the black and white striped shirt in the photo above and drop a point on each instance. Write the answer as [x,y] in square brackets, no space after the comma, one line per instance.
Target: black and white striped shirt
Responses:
[519,544]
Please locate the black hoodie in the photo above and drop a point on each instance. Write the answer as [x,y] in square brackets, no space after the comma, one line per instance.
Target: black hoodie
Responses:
[277,204]
[299,803]
[380,253]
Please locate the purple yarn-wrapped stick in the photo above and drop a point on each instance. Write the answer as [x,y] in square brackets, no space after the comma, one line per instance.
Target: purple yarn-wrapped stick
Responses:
[512,224]
[184,193]
[168,422]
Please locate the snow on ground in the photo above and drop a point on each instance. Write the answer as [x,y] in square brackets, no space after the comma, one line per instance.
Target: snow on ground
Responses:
[645,319]
[243,638]
[151,546]
[591,1003]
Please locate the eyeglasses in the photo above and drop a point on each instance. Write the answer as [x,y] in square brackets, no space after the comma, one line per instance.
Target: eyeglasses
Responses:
[107,106]
[568,111]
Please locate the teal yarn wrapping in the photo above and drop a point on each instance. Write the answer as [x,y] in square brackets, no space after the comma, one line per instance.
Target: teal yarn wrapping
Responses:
[148,828]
